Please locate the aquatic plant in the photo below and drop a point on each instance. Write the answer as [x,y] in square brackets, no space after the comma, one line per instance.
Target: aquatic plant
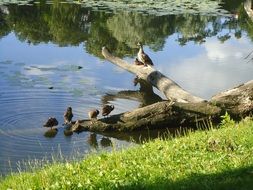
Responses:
[156,7]
[160,7]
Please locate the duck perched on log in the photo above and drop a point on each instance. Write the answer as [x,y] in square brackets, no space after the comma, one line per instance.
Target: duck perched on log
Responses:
[51,122]
[137,62]
[106,110]
[68,115]
[143,57]
[93,114]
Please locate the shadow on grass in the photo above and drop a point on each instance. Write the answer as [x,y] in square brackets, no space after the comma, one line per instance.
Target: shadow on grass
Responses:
[238,179]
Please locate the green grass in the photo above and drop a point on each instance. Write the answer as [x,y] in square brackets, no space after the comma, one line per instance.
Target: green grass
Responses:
[215,159]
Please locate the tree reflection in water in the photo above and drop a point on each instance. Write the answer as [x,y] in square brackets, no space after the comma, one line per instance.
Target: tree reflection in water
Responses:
[71,24]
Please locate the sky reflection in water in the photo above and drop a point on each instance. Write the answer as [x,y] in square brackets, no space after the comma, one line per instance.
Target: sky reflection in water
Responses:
[28,69]
[209,68]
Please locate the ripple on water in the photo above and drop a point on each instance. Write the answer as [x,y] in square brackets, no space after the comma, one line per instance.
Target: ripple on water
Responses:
[22,116]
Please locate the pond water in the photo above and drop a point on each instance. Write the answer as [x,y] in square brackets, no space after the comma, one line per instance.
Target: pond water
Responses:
[50,58]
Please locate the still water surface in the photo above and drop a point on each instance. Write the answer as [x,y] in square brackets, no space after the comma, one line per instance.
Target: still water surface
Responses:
[58,46]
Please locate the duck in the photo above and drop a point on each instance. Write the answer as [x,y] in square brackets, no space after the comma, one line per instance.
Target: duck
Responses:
[137,62]
[143,57]
[106,110]
[93,114]
[68,115]
[51,122]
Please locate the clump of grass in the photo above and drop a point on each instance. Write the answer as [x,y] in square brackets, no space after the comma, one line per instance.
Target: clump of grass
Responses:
[220,158]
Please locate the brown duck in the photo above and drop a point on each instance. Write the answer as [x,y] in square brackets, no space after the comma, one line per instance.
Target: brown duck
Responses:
[68,115]
[143,57]
[51,122]
[137,62]
[106,110]
[93,114]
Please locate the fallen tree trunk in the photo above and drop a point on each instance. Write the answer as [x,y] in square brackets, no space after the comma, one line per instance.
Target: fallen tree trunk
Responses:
[169,88]
[248,7]
[238,101]
[183,109]
[159,115]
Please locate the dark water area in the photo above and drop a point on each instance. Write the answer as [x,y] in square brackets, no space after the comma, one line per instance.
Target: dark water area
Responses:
[50,58]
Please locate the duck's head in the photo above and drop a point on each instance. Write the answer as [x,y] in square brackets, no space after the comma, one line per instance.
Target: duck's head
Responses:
[69,109]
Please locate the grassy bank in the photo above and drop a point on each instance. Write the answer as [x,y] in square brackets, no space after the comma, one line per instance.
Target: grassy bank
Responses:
[215,159]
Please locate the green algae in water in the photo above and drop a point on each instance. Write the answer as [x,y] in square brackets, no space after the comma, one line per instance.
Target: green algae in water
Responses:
[155,7]
[160,7]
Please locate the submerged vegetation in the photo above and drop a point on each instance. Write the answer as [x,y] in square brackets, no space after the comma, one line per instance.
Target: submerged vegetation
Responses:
[220,158]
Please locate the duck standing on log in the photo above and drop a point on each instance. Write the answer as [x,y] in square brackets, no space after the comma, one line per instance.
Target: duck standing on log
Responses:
[68,115]
[106,110]
[137,62]
[143,57]
[93,114]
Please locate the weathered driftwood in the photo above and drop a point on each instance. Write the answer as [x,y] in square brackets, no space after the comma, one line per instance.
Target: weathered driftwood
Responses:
[169,88]
[159,115]
[183,109]
[238,101]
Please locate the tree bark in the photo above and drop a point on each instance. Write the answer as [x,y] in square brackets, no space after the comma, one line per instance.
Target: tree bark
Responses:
[238,101]
[248,6]
[182,110]
[169,88]
[155,116]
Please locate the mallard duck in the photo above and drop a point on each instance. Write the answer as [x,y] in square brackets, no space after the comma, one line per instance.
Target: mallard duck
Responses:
[106,110]
[93,114]
[137,62]
[51,122]
[143,57]
[68,115]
